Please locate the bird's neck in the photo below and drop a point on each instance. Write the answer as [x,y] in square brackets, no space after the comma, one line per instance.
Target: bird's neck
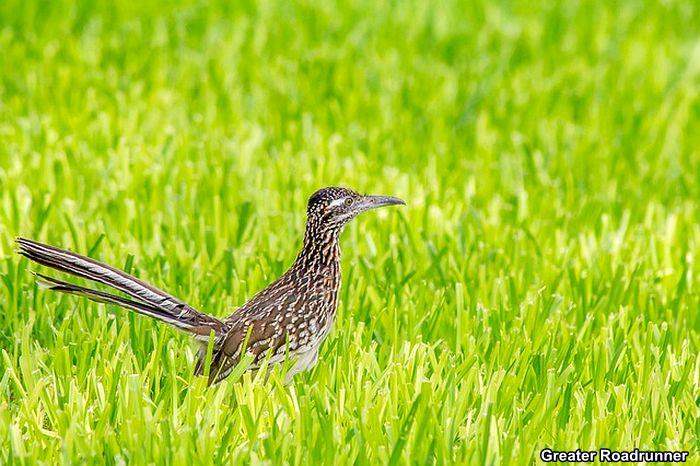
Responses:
[321,250]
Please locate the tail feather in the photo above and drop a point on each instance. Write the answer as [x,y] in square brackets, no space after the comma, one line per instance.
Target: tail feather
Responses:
[85,267]
[146,299]
[107,298]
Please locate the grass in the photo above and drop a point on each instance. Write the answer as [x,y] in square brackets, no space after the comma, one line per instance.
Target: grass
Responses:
[540,290]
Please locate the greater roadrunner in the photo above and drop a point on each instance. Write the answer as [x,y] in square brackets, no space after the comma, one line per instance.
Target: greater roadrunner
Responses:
[289,318]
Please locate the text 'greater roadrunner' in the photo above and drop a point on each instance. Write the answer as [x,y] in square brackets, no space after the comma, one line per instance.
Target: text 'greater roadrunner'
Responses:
[289,318]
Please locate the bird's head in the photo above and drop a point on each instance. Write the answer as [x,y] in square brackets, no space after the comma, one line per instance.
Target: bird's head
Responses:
[333,207]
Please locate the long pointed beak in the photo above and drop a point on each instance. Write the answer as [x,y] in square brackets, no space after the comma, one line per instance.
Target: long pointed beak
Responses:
[372,202]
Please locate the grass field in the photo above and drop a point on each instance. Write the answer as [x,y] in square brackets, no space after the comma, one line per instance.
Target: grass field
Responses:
[539,290]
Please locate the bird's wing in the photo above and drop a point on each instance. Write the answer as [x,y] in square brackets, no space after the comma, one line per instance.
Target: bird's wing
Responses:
[258,336]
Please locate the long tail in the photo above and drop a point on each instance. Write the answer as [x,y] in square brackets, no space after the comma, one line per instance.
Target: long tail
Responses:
[146,299]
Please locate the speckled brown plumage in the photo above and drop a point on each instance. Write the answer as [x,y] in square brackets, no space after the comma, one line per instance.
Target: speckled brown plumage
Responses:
[289,318]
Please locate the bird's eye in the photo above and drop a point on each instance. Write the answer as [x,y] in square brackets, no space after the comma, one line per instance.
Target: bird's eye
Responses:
[349,201]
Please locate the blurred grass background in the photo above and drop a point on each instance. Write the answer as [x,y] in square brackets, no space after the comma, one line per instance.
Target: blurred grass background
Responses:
[540,290]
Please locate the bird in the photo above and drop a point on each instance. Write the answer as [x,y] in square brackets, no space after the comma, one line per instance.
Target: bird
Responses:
[290,318]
